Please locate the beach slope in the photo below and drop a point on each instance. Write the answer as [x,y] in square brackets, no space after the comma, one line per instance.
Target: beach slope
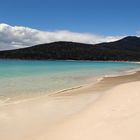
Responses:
[115,116]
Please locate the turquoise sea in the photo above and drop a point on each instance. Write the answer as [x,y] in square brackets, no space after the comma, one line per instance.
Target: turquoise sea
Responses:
[24,78]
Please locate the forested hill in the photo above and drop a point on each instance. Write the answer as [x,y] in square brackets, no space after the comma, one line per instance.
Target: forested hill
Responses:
[126,49]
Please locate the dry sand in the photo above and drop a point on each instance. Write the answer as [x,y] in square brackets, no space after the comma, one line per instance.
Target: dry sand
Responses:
[110,110]
[115,116]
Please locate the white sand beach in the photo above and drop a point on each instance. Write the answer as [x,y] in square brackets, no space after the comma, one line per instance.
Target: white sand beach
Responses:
[69,70]
[114,115]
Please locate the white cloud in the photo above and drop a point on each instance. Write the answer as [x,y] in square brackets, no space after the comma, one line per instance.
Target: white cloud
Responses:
[18,37]
[138,33]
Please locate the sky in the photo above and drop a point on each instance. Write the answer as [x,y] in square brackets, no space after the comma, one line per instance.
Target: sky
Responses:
[29,22]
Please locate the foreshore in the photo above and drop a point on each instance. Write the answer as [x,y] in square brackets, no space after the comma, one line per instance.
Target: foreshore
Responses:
[114,116]
[112,112]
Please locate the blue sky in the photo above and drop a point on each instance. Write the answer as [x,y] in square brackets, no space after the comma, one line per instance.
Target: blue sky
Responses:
[103,17]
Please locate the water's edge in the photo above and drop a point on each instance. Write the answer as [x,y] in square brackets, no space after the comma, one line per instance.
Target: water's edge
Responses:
[74,88]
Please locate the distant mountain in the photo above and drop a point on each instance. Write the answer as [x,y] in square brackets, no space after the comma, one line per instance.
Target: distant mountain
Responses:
[126,49]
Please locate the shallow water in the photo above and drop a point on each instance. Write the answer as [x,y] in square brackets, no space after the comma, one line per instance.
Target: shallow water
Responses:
[23,79]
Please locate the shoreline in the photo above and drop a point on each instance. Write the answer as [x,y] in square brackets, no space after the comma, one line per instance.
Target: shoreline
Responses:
[44,117]
[98,81]
[74,89]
